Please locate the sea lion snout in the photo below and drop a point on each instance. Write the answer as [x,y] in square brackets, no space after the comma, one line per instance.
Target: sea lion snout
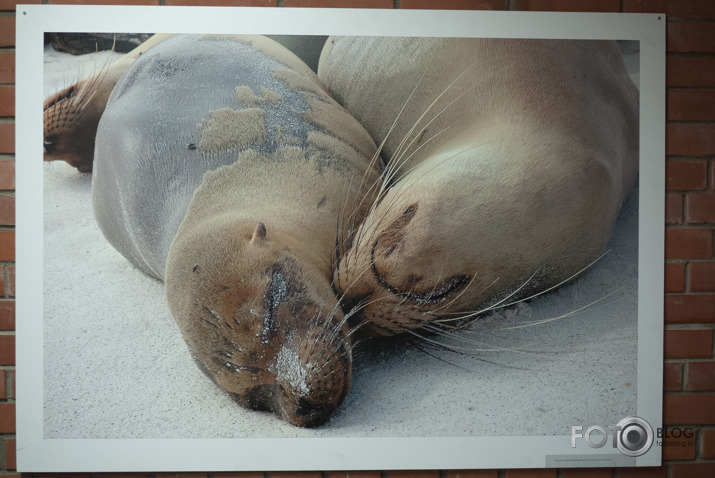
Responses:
[301,369]
[313,379]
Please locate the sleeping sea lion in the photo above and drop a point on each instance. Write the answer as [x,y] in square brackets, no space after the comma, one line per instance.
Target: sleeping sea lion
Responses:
[224,167]
[508,161]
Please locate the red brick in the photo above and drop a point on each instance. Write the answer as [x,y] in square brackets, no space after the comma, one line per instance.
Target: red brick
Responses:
[238,474]
[672,376]
[180,475]
[7,31]
[688,343]
[700,207]
[7,350]
[686,175]
[296,474]
[104,2]
[10,454]
[413,474]
[59,475]
[10,286]
[355,474]
[701,376]
[680,448]
[689,308]
[568,5]
[690,139]
[587,473]
[673,208]
[690,105]
[672,8]
[7,174]
[692,470]
[690,71]
[688,409]
[646,472]
[3,385]
[530,473]
[7,418]
[702,276]
[339,3]
[7,100]
[690,36]
[11,4]
[7,315]
[7,138]
[7,245]
[7,210]
[472,474]
[223,3]
[139,475]
[707,449]
[457,4]
[7,67]
[688,243]
[675,277]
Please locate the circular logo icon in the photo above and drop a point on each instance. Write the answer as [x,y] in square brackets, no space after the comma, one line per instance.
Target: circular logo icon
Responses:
[634,436]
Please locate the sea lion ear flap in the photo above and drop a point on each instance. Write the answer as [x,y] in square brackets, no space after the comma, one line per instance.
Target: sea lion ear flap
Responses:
[259,233]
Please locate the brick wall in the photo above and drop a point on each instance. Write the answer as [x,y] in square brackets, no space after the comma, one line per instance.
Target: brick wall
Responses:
[689,377]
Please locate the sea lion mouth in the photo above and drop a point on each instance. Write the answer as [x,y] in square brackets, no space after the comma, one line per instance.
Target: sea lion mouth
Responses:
[310,415]
[386,243]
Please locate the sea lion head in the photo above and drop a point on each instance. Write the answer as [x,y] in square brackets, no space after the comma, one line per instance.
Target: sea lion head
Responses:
[389,278]
[70,121]
[263,324]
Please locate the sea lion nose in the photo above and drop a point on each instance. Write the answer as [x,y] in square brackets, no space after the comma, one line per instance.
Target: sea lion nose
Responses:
[315,380]
[312,409]
[310,415]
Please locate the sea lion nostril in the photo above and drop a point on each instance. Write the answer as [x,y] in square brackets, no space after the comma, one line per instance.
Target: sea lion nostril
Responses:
[313,414]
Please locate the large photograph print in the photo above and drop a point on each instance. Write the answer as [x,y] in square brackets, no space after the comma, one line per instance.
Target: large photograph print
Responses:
[428,244]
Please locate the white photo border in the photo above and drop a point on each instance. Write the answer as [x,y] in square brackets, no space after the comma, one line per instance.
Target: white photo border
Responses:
[37,454]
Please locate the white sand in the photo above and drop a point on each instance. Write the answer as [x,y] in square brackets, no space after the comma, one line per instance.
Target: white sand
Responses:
[116,366]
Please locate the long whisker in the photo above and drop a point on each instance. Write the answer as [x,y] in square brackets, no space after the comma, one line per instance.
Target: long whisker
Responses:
[563,316]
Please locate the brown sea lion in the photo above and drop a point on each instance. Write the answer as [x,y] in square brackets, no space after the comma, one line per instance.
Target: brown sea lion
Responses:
[508,161]
[224,167]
